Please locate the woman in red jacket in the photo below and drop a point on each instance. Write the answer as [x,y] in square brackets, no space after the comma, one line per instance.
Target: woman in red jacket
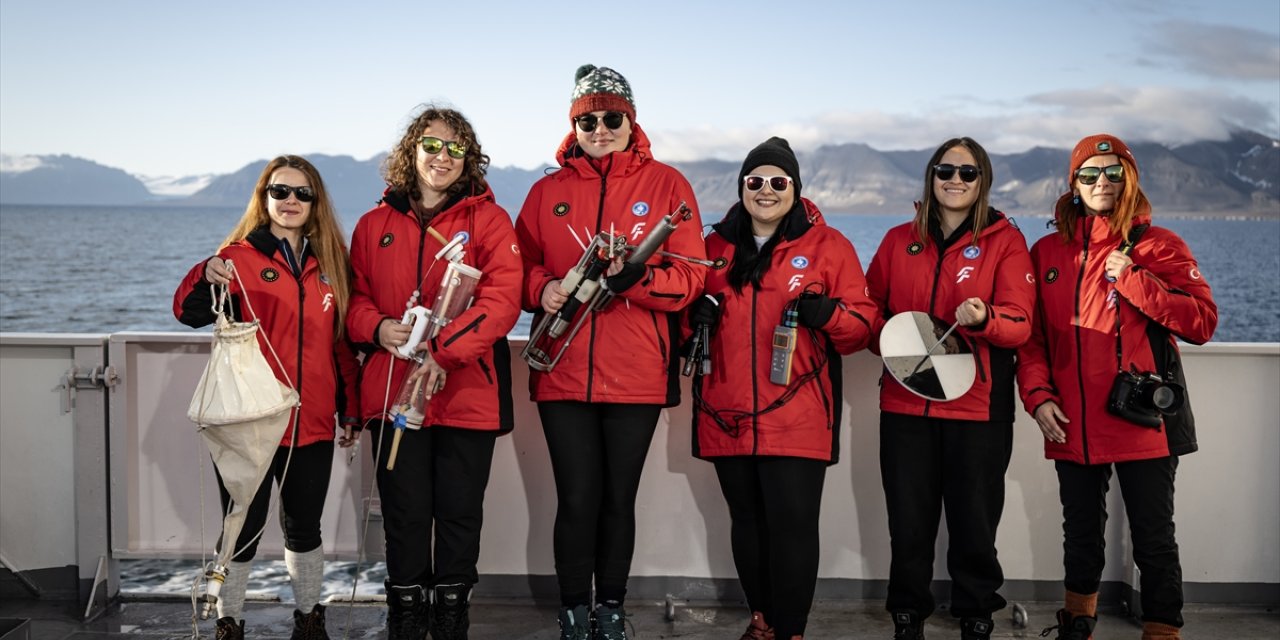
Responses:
[600,404]
[1103,378]
[778,266]
[965,263]
[290,268]
[435,183]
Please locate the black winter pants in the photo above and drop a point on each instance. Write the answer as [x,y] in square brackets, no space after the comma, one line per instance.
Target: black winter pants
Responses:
[301,499]
[926,463]
[597,454]
[773,505]
[439,479]
[1147,489]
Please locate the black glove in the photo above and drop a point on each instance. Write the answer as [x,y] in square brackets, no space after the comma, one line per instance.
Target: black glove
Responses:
[705,310]
[815,309]
[631,274]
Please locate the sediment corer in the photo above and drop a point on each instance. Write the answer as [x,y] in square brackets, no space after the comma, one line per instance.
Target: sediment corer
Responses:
[215,577]
[457,291]
[587,293]
[700,351]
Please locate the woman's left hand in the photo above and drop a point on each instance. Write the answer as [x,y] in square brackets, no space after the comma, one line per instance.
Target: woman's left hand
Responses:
[1117,262]
[971,312]
[434,372]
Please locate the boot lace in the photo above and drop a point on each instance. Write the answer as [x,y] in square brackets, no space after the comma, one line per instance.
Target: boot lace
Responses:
[610,623]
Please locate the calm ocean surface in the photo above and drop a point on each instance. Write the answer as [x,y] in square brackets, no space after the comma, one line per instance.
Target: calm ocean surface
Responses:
[108,269]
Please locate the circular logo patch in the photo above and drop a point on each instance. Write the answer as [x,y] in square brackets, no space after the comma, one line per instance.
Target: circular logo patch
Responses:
[466,237]
[799,262]
[386,240]
[720,263]
[1194,273]
[1051,275]
[972,252]
[270,275]
[561,209]
[640,209]
[914,248]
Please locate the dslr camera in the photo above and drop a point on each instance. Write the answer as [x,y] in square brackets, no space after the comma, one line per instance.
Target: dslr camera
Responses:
[1143,398]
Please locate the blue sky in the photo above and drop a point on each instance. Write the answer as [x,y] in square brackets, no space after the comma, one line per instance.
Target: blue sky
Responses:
[175,88]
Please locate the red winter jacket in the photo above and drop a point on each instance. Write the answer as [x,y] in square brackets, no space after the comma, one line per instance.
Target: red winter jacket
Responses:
[910,275]
[1071,357]
[297,318]
[732,403]
[625,352]
[391,256]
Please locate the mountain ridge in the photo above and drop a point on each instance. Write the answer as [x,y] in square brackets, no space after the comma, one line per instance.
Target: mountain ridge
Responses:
[1239,175]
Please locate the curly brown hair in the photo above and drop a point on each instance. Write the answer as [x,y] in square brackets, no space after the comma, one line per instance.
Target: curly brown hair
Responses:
[399,169]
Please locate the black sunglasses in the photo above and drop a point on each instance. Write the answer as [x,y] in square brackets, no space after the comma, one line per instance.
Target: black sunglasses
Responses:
[756,183]
[432,145]
[968,172]
[1090,175]
[282,191]
[612,121]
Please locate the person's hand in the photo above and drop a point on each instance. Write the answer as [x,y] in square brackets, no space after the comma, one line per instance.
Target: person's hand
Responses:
[971,312]
[623,275]
[1117,262]
[217,271]
[553,296]
[815,309]
[350,436]
[392,334]
[434,373]
[1051,418]
[705,311]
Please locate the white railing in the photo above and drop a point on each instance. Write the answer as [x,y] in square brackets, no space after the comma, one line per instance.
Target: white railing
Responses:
[55,512]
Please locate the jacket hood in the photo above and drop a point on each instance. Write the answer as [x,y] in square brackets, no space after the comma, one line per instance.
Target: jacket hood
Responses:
[400,201]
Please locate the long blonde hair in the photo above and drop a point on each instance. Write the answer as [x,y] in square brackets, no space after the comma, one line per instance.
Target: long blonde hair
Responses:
[322,230]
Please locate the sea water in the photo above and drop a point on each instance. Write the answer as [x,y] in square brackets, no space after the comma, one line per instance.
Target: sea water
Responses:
[109,269]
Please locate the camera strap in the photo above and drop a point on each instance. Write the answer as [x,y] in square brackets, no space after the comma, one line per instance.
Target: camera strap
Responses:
[1135,234]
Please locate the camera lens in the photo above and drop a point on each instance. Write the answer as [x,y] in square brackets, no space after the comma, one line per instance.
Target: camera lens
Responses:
[1164,399]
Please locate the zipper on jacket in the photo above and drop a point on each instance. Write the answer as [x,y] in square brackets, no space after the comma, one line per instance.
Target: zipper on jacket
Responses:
[297,380]
[933,299]
[485,368]
[657,331]
[755,383]
[1084,261]
[591,343]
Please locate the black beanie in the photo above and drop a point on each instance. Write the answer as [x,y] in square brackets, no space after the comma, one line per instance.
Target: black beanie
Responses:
[774,151]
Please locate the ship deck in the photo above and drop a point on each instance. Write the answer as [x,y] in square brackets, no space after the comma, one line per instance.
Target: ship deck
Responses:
[494,619]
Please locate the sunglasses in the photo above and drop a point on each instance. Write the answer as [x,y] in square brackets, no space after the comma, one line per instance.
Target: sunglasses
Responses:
[432,145]
[282,191]
[1090,175]
[968,172]
[756,183]
[612,121]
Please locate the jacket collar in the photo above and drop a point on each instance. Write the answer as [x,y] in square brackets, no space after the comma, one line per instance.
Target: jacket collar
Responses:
[268,244]
[802,217]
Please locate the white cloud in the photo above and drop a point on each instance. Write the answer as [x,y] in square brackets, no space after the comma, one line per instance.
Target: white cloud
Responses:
[18,164]
[1056,119]
[1218,51]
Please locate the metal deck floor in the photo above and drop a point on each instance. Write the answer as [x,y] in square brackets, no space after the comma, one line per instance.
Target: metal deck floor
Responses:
[493,620]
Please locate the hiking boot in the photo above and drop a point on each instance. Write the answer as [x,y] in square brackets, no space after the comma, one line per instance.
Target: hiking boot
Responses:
[1160,631]
[575,623]
[228,628]
[450,618]
[608,623]
[907,625]
[309,626]
[976,628]
[758,629]
[1072,627]
[407,612]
